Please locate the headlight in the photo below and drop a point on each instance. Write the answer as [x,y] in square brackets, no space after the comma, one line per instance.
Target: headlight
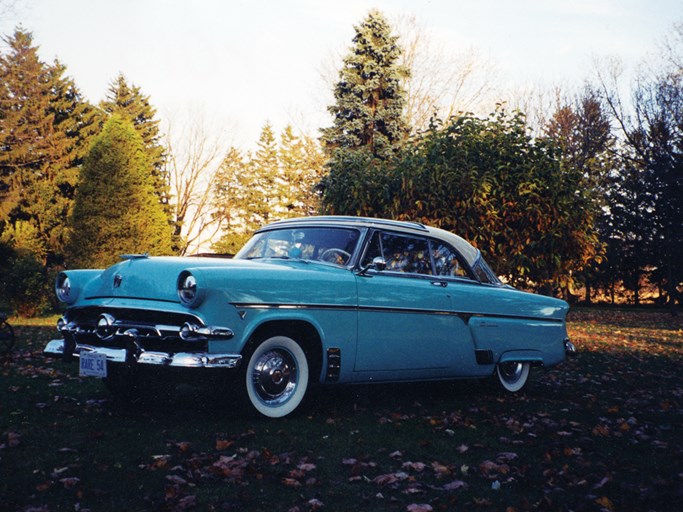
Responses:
[189,292]
[65,292]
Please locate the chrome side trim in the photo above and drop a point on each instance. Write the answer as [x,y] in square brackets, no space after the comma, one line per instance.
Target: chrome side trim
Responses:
[180,360]
[382,309]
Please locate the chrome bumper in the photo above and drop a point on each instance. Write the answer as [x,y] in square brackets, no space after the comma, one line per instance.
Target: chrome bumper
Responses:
[569,348]
[55,348]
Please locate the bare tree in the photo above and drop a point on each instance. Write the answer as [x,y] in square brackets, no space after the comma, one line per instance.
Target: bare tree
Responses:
[193,157]
[441,82]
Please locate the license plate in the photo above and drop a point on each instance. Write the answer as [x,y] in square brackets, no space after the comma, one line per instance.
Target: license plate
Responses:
[93,364]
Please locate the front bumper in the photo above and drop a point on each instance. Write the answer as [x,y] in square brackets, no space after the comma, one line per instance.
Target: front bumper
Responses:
[58,348]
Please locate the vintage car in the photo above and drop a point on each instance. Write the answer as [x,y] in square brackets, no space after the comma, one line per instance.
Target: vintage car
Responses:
[328,300]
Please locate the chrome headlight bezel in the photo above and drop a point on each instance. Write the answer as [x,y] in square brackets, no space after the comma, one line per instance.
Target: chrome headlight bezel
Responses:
[189,291]
[65,289]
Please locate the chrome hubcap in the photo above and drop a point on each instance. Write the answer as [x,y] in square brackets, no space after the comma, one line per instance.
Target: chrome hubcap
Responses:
[274,376]
[511,372]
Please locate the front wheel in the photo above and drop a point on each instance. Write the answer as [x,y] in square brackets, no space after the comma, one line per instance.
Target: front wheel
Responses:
[513,376]
[277,377]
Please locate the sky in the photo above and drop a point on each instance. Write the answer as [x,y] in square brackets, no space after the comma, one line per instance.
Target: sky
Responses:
[239,64]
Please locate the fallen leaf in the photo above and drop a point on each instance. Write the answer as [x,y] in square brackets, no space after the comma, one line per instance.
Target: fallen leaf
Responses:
[415,466]
[421,507]
[70,482]
[315,504]
[223,444]
[454,485]
[291,482]
[306,466]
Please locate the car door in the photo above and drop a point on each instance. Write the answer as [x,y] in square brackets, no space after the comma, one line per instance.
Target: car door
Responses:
[406,327]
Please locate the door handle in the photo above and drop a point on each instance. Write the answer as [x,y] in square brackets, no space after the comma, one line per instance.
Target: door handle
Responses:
[442,284]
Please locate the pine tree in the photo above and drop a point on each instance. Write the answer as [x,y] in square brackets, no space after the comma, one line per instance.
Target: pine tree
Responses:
[128,101]
[45,126]
[232,198]
[301,166]
[115,211]
[274,183]
[369,99]
[267,185]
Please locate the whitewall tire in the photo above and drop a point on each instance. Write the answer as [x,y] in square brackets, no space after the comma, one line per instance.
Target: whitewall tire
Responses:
[276,377]
[513,376]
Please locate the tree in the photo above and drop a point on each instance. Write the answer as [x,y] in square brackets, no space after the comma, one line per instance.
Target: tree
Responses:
[192,165]
[369,99]
[276,182]
[508,193]
[487,180]
[582,130]
[301,165]
[45,126]
[439,82]
[115,210]
[232,197]
[653,152]
[128,101]
[657,139]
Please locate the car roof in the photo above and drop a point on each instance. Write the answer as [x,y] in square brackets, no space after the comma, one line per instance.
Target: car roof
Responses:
[469,252]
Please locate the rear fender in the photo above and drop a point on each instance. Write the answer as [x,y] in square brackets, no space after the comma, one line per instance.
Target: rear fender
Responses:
[534,357]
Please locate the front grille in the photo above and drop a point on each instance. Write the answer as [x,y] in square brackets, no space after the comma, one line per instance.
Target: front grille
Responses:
[154,330]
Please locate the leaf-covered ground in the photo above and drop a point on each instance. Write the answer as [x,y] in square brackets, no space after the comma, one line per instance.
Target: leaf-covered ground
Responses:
[604,431]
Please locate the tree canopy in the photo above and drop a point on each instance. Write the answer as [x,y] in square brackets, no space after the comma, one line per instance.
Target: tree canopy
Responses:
[44,127]
[128,101]
[115,209]
[489,181]
[276,182]
[369,99]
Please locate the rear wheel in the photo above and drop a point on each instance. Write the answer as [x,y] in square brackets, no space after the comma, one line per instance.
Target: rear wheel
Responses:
[513,376]
[276,376]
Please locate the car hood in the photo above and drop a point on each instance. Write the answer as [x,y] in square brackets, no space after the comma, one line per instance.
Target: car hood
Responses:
[156,278]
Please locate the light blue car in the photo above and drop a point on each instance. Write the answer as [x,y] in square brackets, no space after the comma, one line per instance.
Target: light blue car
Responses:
[328,300]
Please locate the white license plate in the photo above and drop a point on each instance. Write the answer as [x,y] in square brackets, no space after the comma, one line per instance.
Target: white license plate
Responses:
[93,364]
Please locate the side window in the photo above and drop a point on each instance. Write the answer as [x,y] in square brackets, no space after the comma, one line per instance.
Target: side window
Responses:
[404,253]
[446,262]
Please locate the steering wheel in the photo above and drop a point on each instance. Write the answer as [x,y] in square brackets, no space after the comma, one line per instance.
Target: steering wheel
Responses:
[335,255]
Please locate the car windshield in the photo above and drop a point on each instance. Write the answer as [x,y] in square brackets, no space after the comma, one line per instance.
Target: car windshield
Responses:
[328,245]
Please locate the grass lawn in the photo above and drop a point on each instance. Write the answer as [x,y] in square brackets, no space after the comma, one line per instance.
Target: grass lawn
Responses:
[604,431]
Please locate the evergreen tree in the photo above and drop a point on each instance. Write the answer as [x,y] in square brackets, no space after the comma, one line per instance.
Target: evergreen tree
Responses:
[274,183]
[369,99]
[128,101]
[656,140]
[267,185]
[45,126]
[232,199]
[301,164]
[115,210]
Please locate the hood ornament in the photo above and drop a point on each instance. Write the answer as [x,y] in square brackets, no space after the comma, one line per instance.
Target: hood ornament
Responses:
[118,279]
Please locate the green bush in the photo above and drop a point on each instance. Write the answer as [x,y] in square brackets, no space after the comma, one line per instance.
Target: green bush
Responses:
[24,285]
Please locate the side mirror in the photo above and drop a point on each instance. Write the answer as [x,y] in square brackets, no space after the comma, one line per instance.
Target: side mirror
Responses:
[378,264]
